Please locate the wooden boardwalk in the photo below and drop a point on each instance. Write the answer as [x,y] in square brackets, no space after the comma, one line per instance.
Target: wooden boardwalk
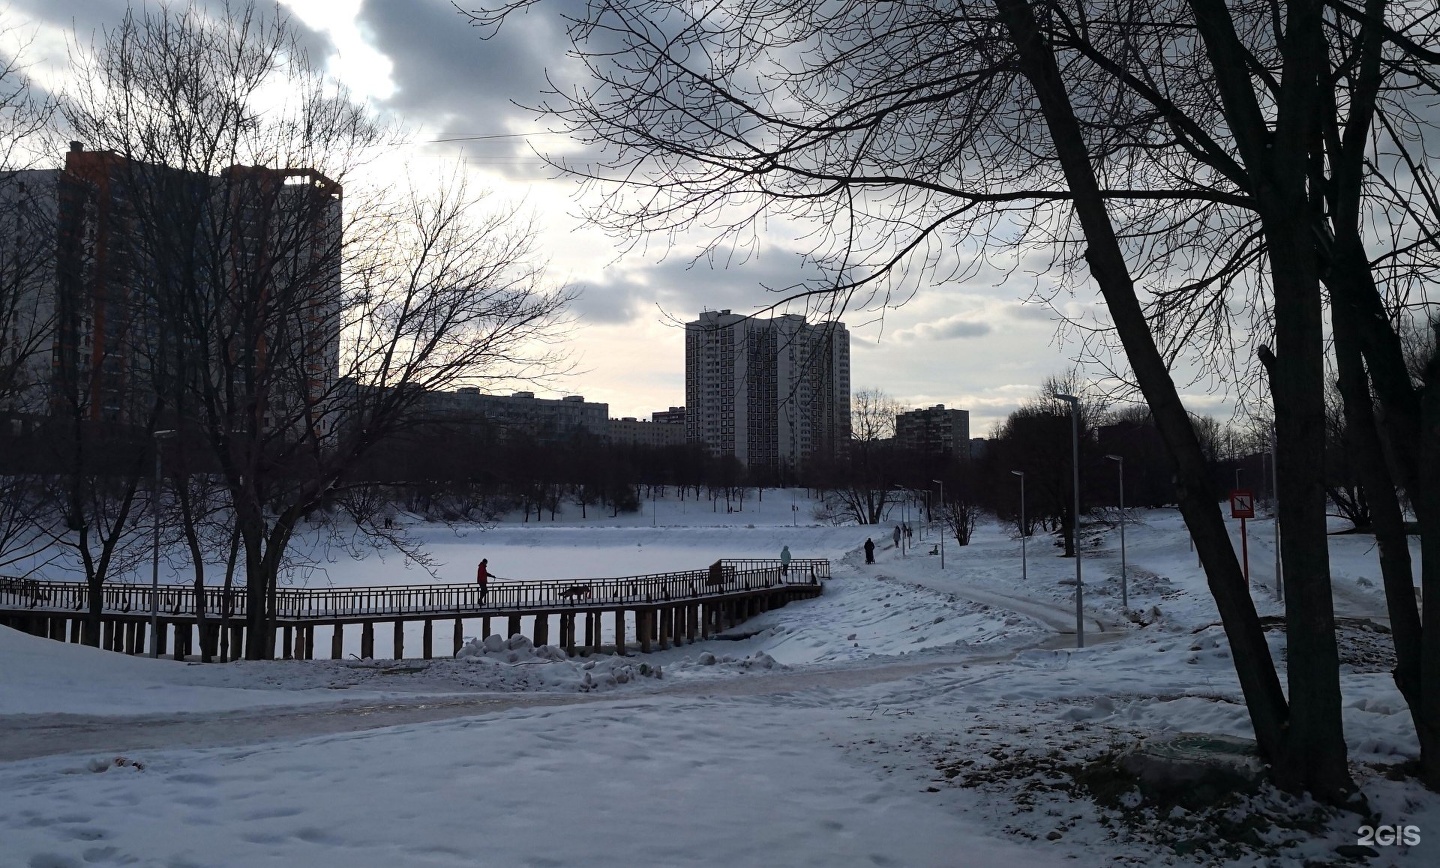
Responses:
[661,608]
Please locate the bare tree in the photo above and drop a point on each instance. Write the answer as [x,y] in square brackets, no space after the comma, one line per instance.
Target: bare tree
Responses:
[299,327]
[864,490]
[27,237]
[1213,153]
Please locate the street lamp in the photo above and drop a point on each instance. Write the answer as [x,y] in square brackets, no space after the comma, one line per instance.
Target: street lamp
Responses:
[1074,403]
[1024,573]
[155,549]
[942,521]
[1124,581]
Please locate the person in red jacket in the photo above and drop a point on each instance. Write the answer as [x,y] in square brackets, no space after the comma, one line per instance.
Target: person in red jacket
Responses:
[482,576]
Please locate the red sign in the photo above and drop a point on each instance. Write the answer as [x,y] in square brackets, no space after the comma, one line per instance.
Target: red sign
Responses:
[1242,503]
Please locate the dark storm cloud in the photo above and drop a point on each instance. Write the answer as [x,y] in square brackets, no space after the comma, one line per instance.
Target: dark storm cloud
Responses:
[677,289]
[88,19]
[952,329]
[83,17]
[448,76]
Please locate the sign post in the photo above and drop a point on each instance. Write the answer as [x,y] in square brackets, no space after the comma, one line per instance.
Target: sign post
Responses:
[1242,506]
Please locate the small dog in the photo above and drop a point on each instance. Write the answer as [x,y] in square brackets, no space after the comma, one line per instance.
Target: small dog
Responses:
[576,591]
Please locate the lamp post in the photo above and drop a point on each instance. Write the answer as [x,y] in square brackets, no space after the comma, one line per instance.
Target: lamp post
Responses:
[155,549]
[1074,403]
[1124,579]
[942,521]
[1024,570]
[904,517]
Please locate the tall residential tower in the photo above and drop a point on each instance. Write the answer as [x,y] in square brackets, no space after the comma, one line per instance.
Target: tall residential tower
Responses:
[774,393]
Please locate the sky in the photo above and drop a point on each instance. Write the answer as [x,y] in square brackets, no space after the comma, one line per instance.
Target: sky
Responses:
[972,344]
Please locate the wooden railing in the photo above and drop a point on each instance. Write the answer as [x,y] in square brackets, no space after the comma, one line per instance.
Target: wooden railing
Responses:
[724,578]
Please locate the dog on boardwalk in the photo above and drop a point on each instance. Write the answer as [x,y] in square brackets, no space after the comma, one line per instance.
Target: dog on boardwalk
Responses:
[574,592]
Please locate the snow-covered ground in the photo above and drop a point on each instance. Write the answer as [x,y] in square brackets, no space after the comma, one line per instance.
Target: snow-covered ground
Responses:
[912,715]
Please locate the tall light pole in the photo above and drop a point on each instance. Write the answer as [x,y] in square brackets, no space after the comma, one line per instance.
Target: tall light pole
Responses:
[160,436]
[1074,403]
[942,521]
[1124,580]
[1024,574]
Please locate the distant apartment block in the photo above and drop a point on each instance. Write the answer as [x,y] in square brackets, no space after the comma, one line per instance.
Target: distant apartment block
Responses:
[522,414]
[672,416]
[773,392]
[934,431]
[639,432]
[105,246]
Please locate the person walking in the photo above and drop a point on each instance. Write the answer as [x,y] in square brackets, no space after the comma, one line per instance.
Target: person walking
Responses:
[482,576]
[869,550]
[785,561]
[896,536]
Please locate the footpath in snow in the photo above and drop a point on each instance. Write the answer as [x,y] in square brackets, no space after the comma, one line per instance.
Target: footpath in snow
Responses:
[910,716]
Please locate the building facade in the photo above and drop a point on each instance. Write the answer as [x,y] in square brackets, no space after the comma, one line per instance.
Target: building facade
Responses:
[639,432]
[775,393]
[546,420]
[672,416]
[144,263]
[934,431]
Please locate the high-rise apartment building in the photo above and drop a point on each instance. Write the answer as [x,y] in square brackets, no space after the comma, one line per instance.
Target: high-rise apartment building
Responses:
[129,264]
[774,392]
[934,431]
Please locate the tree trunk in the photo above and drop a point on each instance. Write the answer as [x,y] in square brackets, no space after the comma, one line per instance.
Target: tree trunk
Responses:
[1258,680]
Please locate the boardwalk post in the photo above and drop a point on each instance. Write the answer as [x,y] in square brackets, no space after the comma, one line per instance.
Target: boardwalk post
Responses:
[426,638]
[367,640]
[309,641]
[484,629]
[542,630]
[619,632]
[287,642]
[337,642]
[460,634]
[399,640]
[514,626]
[644,620]
[162,633]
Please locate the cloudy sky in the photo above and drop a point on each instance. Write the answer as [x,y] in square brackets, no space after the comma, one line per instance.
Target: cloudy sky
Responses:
[972,344]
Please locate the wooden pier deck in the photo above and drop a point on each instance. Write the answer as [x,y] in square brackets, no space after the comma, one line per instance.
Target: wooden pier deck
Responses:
[658,610]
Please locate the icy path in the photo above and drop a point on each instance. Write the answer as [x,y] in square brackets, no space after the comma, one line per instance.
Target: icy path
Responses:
[35,735]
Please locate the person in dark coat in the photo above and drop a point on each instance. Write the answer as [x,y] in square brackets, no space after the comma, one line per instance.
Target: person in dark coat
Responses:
[482,577]
[869,550]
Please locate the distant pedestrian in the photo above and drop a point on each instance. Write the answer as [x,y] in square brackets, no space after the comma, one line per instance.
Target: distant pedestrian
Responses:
[482,577]
[896,536]
[785,561]
[869,550]
[908,533]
